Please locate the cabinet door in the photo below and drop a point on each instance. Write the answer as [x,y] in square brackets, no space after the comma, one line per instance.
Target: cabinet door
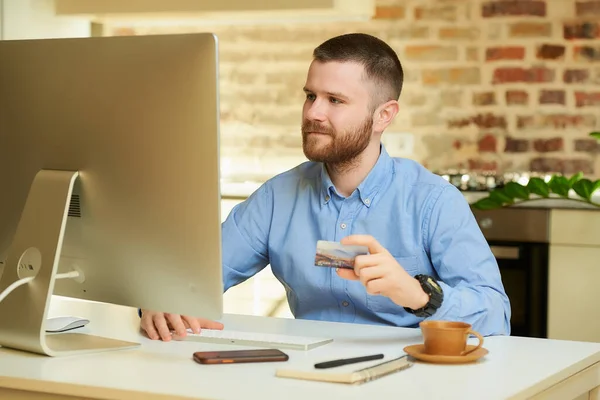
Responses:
[573,295]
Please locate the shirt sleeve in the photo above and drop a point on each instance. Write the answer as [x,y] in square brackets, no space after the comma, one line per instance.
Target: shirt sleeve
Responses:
[466,266]
[245,235]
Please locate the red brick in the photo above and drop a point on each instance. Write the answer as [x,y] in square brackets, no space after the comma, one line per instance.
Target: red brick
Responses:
[484,98]
[587,8]
[482,121]
[587,53]
[389,12]
[505,53]
[513,8]
[562,166]
[587,99]
[576,75]
[587,145]
[516,145]
[482,165]
[530,29]
[517,97]
[556,121]
[548,145]
[487,144]
[455,75]
[431,53]
[459,33]
[552,97]
[526,75]
[581,30]
[436,13]
[550,52]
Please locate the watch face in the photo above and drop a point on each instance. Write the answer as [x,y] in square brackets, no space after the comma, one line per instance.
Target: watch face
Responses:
[434,284]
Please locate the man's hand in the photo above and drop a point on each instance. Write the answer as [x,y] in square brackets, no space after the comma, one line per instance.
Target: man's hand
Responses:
[158,325]
[381,274]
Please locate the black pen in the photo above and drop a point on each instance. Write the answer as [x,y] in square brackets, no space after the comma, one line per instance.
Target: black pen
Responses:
[346,361]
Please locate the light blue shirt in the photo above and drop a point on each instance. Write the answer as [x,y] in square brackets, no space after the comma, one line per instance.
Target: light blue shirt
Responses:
[421,219]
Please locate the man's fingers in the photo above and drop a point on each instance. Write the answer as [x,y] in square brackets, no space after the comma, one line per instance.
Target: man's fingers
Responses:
[369,273]
[197,324]
[365,240]
[177,324]
[160,323]
[192,323]
[347,274]
[208,324]
[368,260]
[148,327]
[375,286]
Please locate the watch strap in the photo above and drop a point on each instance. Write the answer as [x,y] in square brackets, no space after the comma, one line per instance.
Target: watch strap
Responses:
[435,293]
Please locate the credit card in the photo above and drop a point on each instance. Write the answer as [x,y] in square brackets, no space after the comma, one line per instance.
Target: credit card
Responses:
[337,255]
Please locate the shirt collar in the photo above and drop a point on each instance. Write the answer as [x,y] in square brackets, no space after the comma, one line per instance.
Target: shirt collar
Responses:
[370,186]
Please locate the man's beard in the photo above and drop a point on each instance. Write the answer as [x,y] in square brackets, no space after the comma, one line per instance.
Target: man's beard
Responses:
[343,149]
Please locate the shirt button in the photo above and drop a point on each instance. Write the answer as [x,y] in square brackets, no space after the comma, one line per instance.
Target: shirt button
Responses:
[343,226]
[345,303]
[326,198]
[367,201]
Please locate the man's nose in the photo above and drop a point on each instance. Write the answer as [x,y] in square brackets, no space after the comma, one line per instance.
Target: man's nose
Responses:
[315,111]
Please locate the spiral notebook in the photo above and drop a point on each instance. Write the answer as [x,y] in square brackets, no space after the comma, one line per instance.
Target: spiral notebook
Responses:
[352,377]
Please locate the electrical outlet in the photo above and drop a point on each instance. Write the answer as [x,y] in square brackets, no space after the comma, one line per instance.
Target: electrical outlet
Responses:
[400,144]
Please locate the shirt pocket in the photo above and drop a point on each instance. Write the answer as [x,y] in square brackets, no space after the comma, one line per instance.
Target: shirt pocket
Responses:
[383,304]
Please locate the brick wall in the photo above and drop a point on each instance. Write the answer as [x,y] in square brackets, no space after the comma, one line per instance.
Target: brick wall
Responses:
[506,85]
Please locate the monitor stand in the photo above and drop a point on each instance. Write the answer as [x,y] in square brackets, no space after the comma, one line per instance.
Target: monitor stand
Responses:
[35,252]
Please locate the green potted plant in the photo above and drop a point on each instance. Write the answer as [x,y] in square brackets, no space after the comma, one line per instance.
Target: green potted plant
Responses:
[558,186]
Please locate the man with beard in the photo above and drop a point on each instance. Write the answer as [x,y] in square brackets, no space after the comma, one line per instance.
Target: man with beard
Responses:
[427,256]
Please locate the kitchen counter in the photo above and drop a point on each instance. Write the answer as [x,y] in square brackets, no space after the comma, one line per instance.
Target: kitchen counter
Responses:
[231,190]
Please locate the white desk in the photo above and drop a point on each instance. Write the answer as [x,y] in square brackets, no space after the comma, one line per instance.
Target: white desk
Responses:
[515,368]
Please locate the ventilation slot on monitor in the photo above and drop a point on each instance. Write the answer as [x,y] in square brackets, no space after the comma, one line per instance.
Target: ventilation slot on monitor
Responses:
[75,207]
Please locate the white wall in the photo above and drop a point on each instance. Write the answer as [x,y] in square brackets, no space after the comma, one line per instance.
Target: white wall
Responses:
[1,19]
[35,19]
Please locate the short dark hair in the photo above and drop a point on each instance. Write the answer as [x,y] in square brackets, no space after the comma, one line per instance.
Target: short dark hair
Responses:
[380,61]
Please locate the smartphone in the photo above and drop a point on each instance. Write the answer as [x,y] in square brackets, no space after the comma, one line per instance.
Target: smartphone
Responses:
[239,356]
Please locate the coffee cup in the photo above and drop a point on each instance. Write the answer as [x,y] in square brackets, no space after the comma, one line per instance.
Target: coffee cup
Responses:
[448,338]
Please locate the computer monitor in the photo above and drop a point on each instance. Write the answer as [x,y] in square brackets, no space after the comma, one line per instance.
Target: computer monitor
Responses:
[109,167]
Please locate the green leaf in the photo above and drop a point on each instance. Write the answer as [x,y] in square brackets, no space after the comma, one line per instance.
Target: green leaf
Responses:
[596,186]
[516,190]
[575,178]
[595,135]
[486,203]
[501,197]
[538,186]
[584,188]
[559,185]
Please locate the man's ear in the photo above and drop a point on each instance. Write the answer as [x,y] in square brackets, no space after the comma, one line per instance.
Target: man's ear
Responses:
[384,115]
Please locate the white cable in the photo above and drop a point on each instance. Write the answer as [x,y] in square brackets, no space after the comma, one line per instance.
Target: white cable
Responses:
[65,275]
[22,281]
[14,285]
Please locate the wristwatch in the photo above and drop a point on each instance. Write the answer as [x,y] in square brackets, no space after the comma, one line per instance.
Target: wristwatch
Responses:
[436,296]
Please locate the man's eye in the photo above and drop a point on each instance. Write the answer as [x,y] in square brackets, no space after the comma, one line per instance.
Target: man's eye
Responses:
[335,101]
[310,96]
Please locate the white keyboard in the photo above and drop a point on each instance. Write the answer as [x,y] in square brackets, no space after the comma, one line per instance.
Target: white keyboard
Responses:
[256,339]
